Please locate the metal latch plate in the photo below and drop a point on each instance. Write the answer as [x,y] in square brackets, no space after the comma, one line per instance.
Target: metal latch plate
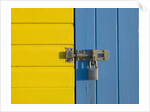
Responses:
[86,55]
[69,54]
[100,55]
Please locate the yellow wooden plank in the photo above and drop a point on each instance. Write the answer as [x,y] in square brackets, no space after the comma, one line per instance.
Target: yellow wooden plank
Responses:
[39,55]
[42,77]
[42,96]
[42,15]
[42,34]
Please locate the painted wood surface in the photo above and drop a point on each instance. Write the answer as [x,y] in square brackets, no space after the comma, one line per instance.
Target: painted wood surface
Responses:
[117,31]
[84,40]
[39,72]
[42,77]
[42,15]
[128,35]
[42,34]
[42,95]
[106,38]
[39,55]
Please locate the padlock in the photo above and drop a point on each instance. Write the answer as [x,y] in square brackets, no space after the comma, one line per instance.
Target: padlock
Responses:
[93,72]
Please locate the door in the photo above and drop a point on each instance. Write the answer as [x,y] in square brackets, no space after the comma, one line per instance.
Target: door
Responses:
[39,72]
[114,29]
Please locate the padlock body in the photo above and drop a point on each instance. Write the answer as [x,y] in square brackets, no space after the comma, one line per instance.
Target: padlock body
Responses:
[93,73]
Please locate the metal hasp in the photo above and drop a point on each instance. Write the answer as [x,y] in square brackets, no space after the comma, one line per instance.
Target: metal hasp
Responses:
[86,55]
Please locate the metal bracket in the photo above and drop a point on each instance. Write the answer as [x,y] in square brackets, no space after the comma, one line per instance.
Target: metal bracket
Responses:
[86,55]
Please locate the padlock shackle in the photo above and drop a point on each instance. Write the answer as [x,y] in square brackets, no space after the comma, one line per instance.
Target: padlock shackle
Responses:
[95,63]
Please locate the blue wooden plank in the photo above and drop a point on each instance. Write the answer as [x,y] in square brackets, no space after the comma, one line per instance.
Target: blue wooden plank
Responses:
[84,40]
[117,31]
[106,38]
[128,22]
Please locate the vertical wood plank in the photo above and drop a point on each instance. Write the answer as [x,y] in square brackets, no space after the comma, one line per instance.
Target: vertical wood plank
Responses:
[106,38]
[128,23]
[84,40]
[117,31]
